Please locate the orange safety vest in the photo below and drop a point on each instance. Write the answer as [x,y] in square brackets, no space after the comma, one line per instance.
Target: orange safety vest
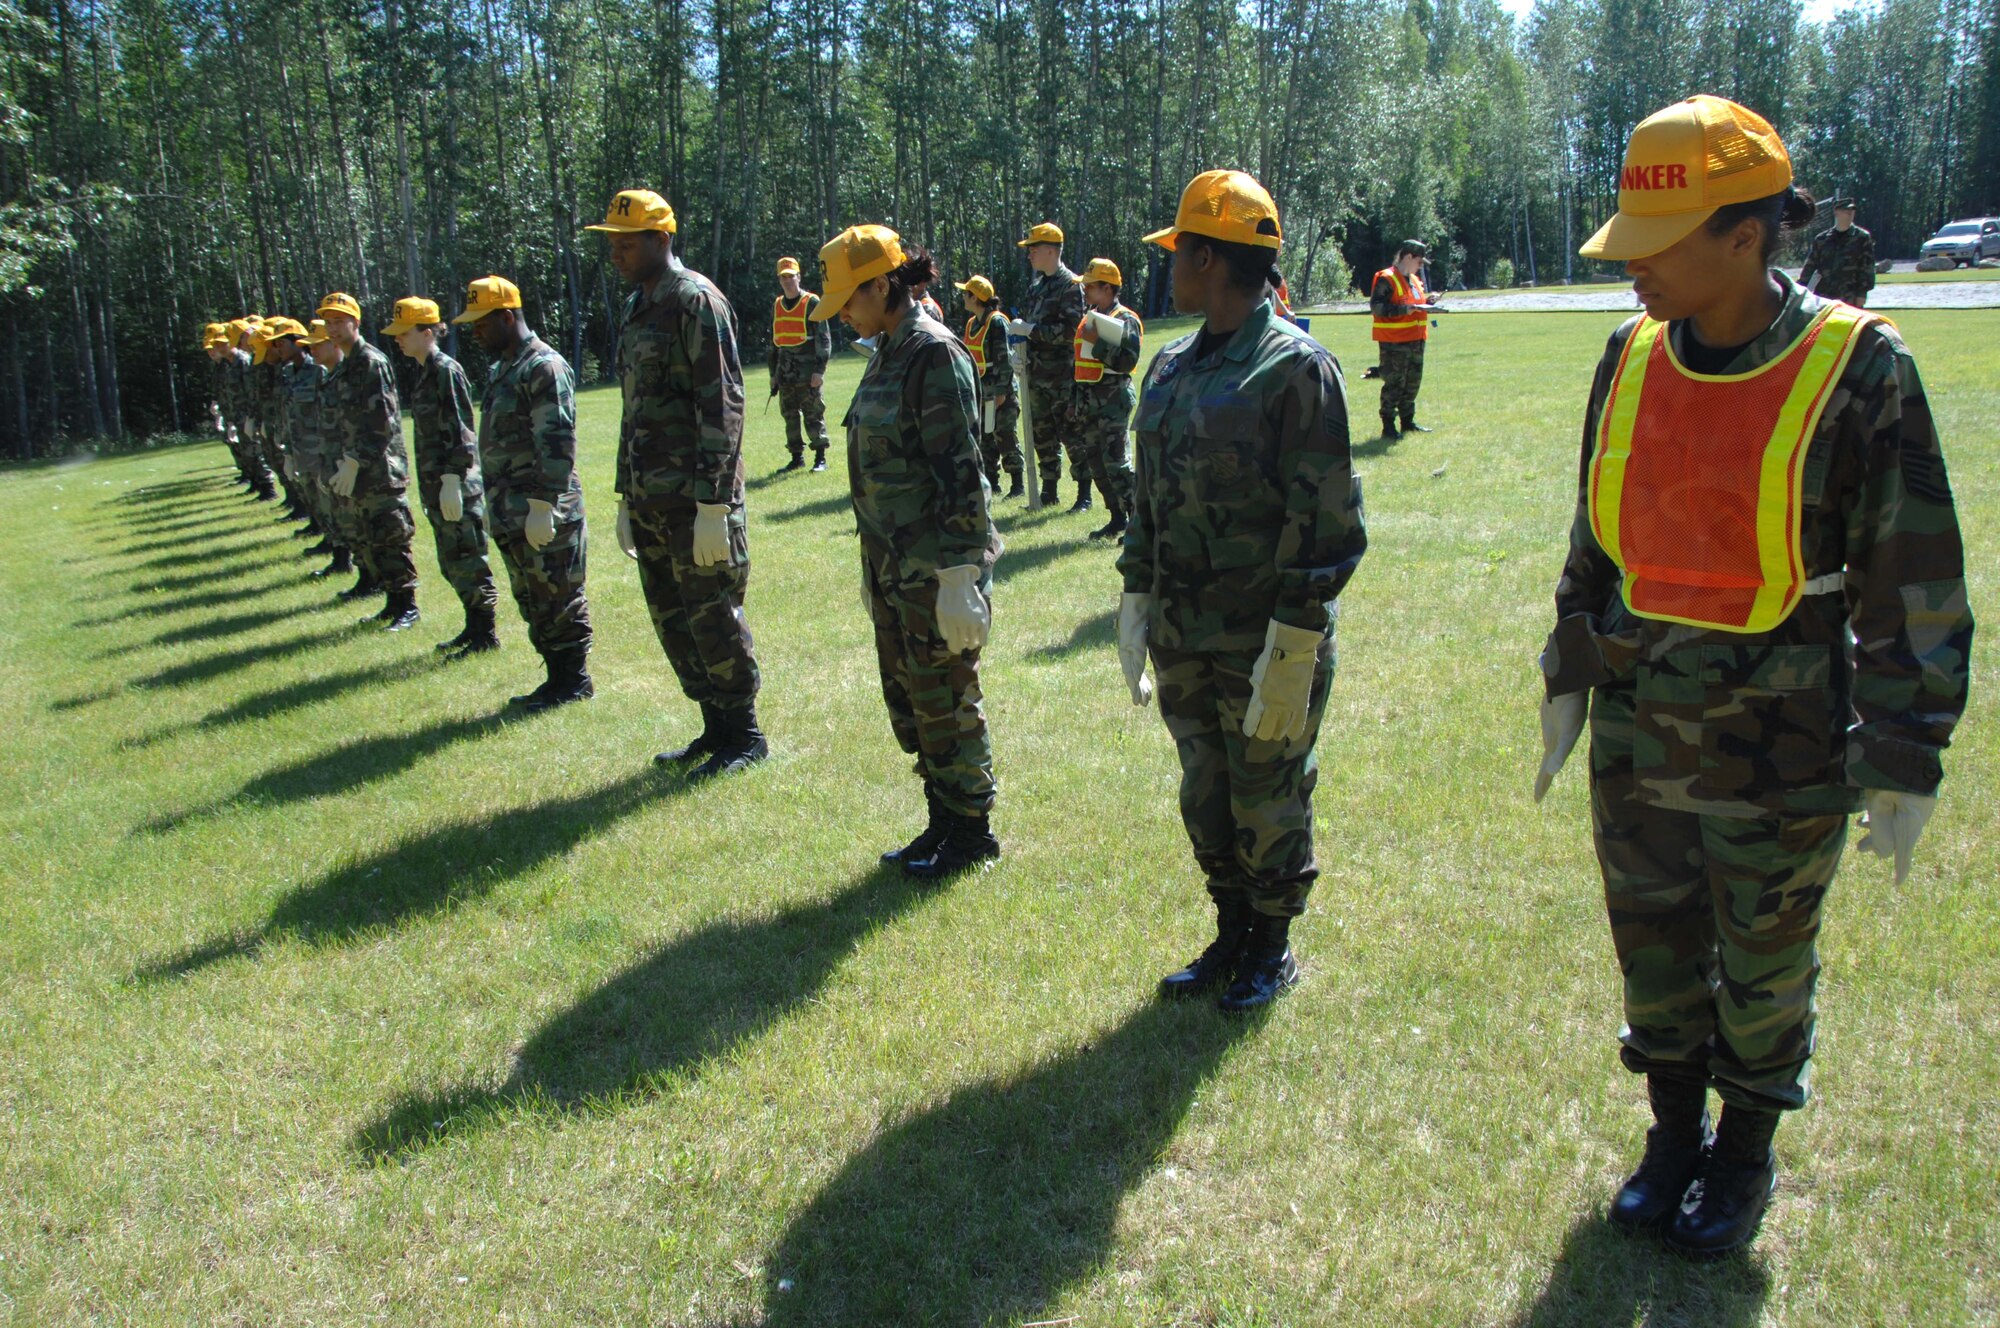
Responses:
[788,326]
[1092,371]
[1697,480]
[977,345]
[1412,326]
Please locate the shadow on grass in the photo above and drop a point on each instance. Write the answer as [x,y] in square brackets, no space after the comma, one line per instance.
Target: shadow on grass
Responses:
[984,1208]
[187,541]
[210,629]
[147,495]
[1090,634]
[437,871]
[293,696]
[680,1009]
[831,505]
[1015,561]
[228,571]
[178,523]
[1604,1276]
[1373,447]
[207,599]
[342,770]
[214,666]
[187,553]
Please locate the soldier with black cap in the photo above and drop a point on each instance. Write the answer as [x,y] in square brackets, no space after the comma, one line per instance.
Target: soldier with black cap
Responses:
[1402,309]
[1842,258]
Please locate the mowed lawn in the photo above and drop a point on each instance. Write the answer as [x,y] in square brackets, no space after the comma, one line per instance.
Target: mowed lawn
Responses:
[332,994]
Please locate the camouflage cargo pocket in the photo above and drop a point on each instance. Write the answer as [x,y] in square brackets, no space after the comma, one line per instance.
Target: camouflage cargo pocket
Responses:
[1741,723]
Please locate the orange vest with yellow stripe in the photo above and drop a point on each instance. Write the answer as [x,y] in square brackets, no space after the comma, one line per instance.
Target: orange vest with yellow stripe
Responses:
[1696,485]
[788,326]
[977,344]
[1092,371]
[1412,326]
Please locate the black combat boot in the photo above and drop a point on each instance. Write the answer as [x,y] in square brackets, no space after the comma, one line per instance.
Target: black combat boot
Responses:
[1389,428]
[401,613]
[365,587]
[342,564]
[478,636]
[319,550]
[1410,425]
[1113,528]
[538,698]
[1082,503]
[798,462]
[819,458]
[1217,964]
[568,681]
[1267,968]
[1016,486]
[1051,491]
[703,743]
[739,745]
[926,843]
[1736,1184]
[1675,1146]
[966,842]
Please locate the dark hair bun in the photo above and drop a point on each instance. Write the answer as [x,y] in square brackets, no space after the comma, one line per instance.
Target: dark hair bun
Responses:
[918,267]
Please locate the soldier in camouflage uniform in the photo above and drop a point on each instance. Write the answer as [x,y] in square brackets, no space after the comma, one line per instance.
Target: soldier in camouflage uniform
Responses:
[927,538]
[361,424]
[300,374]
[1401,309]
[1048,320]
[1247,526]
[800,350]
[1842,258]
[240,407]
[351,554]
[534,497]
[271,425]
[1725,758]
[448,479]
[680,479]
[1104,398]
[215,345]
[993,359]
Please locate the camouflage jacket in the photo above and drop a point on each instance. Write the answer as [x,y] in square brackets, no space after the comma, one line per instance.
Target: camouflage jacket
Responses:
[1797,720]
[913,462]
[300,383]
[527,434]
[682,435]
[1111,397]
[998,379]
[359,417]
[236,406]
[1053,305]
[442,424]
[1844,262]
[793,365]
[1247,506]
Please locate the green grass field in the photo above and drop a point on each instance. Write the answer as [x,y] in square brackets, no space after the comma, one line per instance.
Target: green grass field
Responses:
[330,995]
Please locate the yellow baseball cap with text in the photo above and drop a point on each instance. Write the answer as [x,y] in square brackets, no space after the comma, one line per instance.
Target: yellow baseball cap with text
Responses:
[411,314]
[1104,270]
[1681,164]
[635,211]
[788,264]
[486,294]
[1042,232]
[316,334]
[857,254]
[1224,205]
[340,302]
[979,288]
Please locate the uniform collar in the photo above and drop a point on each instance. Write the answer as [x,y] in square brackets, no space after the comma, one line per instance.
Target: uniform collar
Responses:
[1245,338]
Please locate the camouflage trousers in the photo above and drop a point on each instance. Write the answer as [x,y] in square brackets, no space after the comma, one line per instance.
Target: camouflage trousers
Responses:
[1101,443]
[249,454]
[325,508]
[1715,921]
[804,409]
[1402,375]
[273,453]
[384,532]
[461,551]
[547,582]
[1049,409]
[933,695]
[1246,803]
[1001,449]
[697,612]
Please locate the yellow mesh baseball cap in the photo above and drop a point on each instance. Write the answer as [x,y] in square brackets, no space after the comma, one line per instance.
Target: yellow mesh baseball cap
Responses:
[1224,205]
[1042,232]
[340,302]
[411,314]
[1682,164]
[485,295]
[790,265]
[857,254]
[316,334]
[635,211]
[1102,269]
[282,327]
[979,288]
[214,334]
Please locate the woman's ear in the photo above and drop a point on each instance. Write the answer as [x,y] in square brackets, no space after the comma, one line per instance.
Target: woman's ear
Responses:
[1747,240]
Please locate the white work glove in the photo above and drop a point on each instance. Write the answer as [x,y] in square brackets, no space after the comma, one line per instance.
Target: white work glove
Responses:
[451,497]
[1020,327]
[1893,822]
[344,476]
[541,527]
[962,612]
[625,540]
[230,434]
[711,534]
[1281,684]
[1562,725]
[215,417]
[1133,612]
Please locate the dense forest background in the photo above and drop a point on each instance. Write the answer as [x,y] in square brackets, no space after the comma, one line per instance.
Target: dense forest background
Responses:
[168,162]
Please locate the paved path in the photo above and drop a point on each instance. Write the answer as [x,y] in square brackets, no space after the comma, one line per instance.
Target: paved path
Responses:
[1608,298]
